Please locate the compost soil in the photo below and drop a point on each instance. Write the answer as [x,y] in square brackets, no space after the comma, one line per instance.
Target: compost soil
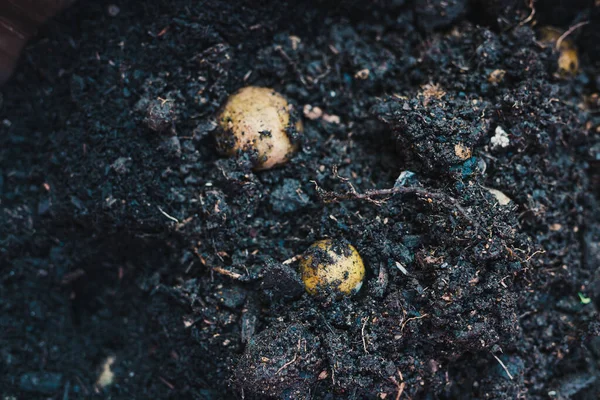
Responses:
[439,139]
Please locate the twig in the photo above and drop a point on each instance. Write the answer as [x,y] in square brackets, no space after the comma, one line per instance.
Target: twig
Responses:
[166,382]
[72,276]
[400,390]
[167,215]
[362,331]
[369,195]
[287,364]
[248,277]
[228,273]
[568,32]
[411,319]
[185,222]
[503,366]
[530,17]
[291,260]
[400,385]
[537,252]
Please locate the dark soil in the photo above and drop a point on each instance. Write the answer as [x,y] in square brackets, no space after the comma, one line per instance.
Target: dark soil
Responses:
[125,237]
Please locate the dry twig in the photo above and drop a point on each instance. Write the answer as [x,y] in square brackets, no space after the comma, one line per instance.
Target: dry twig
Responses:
[364,340]
[504,367]
[167,215]
[371,196]
[400,385]
[411,319]
[287,364]
[291,260]
[228,273]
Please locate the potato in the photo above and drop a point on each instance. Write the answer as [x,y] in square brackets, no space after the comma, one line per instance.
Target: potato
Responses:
[568,57]
[257,121]
[332,266]
[568,62]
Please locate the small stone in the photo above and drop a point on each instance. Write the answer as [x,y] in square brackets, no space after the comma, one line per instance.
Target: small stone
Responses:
[203,129]
[362,74]
[500,197]
[500,138]
[555,227]
[496,76]
[461,151]
[160,115]
[332,119]
[311,112]
[406,178]
[107,376]
[295,40]
[121,165]
[113,10]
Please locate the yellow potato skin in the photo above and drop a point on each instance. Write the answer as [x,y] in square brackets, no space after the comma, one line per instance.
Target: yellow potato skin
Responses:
[568,62]
[568,58]
[257,119]
[332,266]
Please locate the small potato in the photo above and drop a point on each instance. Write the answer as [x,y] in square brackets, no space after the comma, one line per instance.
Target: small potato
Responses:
[568,57]
[568,62]
[332,266]
[257,121]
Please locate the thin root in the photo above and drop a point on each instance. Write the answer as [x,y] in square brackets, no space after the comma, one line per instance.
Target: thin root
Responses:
[287,364]
[364,339]
[411,319]
[503,366]
[371,196]
[400,385]
[530,17]
[228,273]
[568,32]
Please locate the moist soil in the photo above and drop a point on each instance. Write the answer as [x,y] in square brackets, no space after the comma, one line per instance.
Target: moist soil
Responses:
[136,262]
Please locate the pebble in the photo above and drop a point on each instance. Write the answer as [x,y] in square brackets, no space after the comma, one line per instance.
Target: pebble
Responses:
[501,197]
[121,165]
[406,178]
[113,10]
[500,138]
